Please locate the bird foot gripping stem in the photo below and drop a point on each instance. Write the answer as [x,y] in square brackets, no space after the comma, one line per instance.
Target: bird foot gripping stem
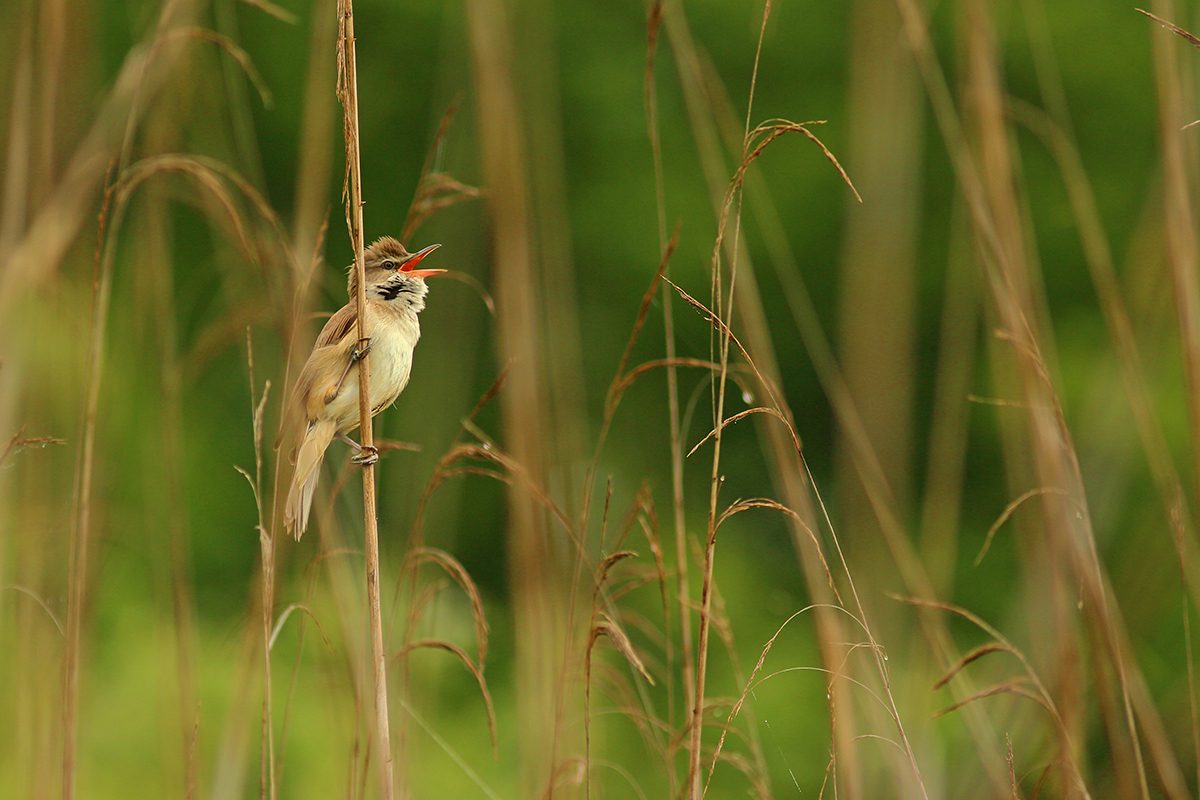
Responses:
[361,350]
[367,455]
[364,454]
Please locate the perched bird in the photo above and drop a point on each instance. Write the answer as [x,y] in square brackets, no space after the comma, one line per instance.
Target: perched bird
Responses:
[326,395]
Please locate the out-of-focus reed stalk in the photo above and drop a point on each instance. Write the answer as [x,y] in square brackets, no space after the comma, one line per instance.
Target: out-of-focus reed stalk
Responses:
[158,267]
[81,529]
[61,209]
[317,124]
[730,204]
[1056,131]
[30,557]
[1066,547]
[67,209]
[1178,171]
[1020,311]
[547,650]
[877,277]
[266,542]
[682,592]
[787,472]
[348,93]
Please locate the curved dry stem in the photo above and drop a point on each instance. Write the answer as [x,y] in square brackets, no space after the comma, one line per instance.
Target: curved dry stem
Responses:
[650,529]
[617,387]
[57,622]
[978,652]
[1009,510]
[773,129]
[1043,698]
[235,52]
[1173,28]
[759,502]
[488,452]
[982,625]
[452,567]
[832,674]
[762,657]
[475,669]
[17,442]
[207,173]
[279,13]
[1014,686]
[721,327]
[474,283]
[743,414]
[892,742]
[764,502]
[437,190]
[603,625]
[607,564]
[612,629]
[287,612]
[635,373]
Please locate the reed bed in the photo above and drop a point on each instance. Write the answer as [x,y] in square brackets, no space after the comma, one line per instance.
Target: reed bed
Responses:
[846,458]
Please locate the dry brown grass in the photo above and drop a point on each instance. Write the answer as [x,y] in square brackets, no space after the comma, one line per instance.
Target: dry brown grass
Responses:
[959,702]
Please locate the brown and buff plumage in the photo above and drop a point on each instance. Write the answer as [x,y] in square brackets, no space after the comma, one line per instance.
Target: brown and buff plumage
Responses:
[326,395]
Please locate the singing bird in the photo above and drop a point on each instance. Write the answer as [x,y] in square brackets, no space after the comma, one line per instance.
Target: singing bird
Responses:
[326,395]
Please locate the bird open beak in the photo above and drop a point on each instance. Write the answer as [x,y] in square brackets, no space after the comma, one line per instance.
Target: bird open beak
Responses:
[415,258]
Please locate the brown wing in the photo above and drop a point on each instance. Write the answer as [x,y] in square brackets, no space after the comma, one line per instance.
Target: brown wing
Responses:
[337,326]
[326,363]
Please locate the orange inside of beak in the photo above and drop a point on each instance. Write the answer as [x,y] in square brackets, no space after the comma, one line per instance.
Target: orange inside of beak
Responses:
[407,266]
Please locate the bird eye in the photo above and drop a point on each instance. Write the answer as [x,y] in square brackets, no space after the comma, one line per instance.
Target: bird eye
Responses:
[389,265]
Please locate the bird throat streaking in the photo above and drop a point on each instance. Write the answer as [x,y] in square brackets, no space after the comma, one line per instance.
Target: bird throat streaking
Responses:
[326,394]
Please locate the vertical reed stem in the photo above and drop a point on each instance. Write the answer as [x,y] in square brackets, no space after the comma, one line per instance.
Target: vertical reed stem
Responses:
[348,73]
[81,524]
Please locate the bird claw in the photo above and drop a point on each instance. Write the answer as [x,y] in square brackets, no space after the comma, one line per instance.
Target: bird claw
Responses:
[367,455]
[360,352]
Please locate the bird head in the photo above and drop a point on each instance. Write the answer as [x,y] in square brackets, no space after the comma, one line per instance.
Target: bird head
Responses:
[391,273]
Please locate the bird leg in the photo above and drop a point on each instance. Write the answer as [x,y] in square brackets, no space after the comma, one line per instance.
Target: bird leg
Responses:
[356,355]
[366,454]
[361,350]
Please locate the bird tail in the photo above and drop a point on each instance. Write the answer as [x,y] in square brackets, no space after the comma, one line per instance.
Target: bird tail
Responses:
[304,480]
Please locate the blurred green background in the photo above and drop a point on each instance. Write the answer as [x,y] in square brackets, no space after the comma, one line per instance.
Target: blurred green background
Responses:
[552,124]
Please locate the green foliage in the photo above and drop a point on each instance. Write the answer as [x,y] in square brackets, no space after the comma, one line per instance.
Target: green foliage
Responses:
[170,691]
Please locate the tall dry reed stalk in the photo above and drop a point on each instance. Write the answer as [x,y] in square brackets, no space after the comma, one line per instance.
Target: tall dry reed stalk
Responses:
[1062,647]
[348,93]
[545,646]
[1045,446]
[790,476]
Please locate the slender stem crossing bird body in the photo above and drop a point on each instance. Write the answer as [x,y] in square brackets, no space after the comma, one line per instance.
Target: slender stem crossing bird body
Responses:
[326,393]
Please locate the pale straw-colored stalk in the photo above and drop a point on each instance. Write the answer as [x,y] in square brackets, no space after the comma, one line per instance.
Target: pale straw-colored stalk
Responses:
[348,91]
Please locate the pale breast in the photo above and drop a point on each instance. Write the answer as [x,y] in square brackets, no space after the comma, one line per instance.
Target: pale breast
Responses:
[390,361]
